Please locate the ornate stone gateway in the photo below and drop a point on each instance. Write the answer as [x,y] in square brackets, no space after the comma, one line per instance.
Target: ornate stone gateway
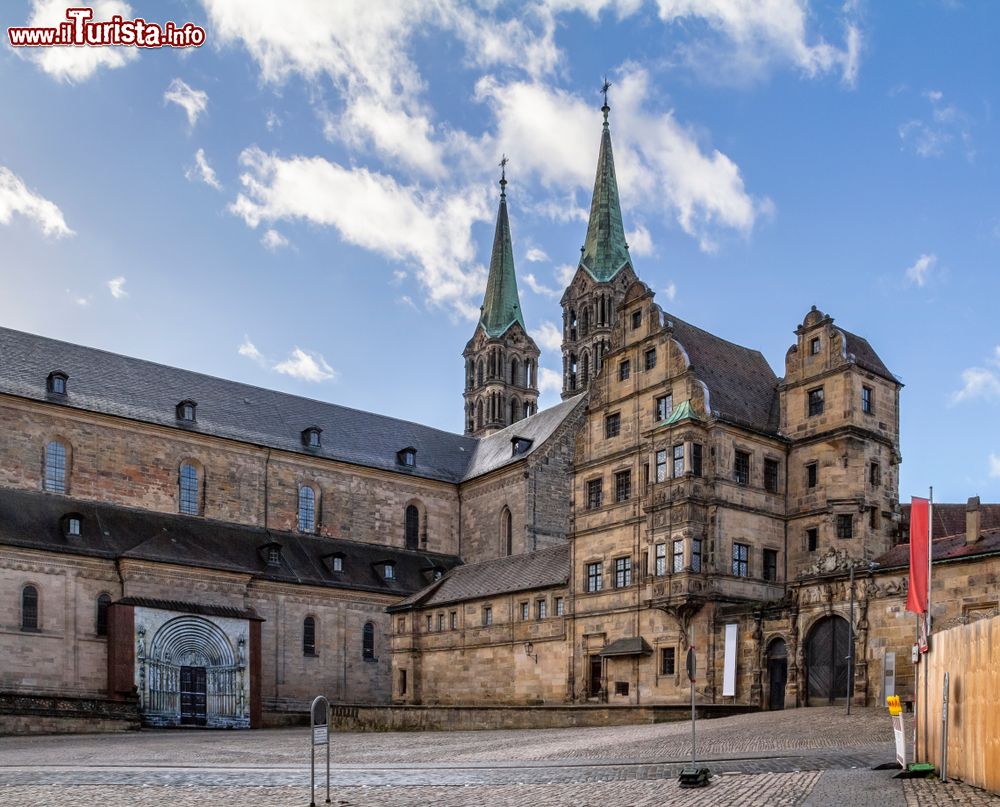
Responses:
[186,664]
[826,661]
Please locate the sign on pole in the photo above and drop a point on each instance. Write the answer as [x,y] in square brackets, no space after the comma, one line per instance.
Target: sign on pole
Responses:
[319,729]
[896,712]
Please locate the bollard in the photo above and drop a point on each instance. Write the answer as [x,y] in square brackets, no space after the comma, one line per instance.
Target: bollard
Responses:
[319,735]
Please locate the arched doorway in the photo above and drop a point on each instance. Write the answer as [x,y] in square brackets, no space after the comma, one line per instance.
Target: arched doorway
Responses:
[826,661]
[777,673]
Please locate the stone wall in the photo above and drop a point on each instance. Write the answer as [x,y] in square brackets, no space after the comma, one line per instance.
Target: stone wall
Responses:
[39,714]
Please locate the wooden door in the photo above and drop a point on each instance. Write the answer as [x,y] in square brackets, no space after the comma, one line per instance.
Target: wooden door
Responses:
[595,677]
[777,673]
[826,660]
[193,700]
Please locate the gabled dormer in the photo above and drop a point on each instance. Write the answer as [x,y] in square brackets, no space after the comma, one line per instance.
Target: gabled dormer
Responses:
[57,383]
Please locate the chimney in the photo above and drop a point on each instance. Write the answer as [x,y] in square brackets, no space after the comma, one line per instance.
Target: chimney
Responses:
[972,520]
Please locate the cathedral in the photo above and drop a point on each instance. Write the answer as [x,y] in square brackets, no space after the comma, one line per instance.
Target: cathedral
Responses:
[182,550]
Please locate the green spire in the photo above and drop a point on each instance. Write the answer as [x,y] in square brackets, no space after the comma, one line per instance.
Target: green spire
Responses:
[605,251]
[501,306]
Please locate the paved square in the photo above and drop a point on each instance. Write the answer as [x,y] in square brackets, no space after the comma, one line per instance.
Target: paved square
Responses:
[798,757]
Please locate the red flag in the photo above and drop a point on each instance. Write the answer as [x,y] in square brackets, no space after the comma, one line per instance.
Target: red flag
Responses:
[916,599]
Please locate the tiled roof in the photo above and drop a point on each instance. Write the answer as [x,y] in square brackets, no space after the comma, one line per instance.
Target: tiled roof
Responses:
[742,386]
[191,608]
[501,304]
[865,355]
[632,646]
[541,569]
[605,252]
[32,520]
[949,519]
[141,390]
[495,451]
[951,548]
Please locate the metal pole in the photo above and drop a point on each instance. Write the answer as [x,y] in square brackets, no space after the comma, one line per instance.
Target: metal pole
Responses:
[850,647]
[693,765]
[328,752]
[312,757]
[916,693]
[944,732]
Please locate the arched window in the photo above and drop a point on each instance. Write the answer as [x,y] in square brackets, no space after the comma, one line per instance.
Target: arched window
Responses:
[572,371]
[309,636]
[479,373]
[189,500]
[585,372]
[412,527]
[55,467]
[470,373]
[479,414]
[368,642]
[515,376]
[515,411]
[29,608]
[529,373]
[572,324]
[103,601]
[307,509]
[506,532]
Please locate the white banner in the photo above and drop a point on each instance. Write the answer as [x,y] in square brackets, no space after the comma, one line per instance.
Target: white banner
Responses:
[729,664]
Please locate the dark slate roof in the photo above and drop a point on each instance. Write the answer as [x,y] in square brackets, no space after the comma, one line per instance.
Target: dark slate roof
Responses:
[865,356]
[949,519]
[632,646]
[33,520]
[192,608]
[541,569]
[953,547]
[742,387]
[495,451]
[141,390]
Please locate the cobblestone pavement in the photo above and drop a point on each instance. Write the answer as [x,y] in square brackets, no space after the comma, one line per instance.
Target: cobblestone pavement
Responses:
[799,757]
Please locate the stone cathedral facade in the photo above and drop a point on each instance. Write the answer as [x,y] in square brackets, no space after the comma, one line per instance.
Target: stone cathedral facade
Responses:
[178,549]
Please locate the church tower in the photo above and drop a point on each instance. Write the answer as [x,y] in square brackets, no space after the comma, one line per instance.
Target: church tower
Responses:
[604,273]
[501,359]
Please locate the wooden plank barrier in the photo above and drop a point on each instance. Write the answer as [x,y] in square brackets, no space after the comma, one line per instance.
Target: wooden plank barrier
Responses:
[971,655]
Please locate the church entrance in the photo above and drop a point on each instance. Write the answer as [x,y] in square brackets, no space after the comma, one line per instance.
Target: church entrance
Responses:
[777,674]
[193,697]
[826,661]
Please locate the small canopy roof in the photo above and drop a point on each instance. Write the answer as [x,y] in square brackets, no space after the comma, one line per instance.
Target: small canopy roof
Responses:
[633,646]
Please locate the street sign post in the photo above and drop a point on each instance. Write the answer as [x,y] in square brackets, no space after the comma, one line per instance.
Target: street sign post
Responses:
[693,776]
[319,730]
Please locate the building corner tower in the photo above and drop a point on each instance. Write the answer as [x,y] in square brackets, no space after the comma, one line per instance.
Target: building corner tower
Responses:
[501,359]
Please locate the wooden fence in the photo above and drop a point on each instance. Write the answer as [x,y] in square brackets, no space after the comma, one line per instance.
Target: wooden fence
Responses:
[971,655]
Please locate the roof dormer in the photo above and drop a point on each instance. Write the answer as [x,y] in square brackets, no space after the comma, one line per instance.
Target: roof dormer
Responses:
[407,457]
[312,437]
[271,553]
[55,384]
[520,445]
[187,411]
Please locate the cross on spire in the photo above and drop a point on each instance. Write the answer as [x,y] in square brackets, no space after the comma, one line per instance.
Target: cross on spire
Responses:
[604,89]
[503,174]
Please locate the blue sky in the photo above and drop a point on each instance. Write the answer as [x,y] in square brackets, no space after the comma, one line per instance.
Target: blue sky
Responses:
[307,201]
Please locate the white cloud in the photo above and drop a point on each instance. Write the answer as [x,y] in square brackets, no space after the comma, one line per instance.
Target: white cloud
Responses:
[192,101]
[272,121]
[660,163]
[933,137]
[301,364]
[919,273]
[202,171]
[428,229]
[408,301]
[249,350]
[549,337]
[753,35]
[273,240]
[539,288]
[994,466]
[117,288]
[980,382]
[565,274]
[640,242]
[15,197]
[78,63]
[549,380]
[306,366]
[535,255]
[670,292]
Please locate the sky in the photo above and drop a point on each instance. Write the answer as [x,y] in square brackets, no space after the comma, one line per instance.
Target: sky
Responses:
[306,202]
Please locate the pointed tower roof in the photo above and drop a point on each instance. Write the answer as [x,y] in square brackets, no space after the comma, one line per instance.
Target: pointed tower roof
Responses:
[605,251]
[501,305]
